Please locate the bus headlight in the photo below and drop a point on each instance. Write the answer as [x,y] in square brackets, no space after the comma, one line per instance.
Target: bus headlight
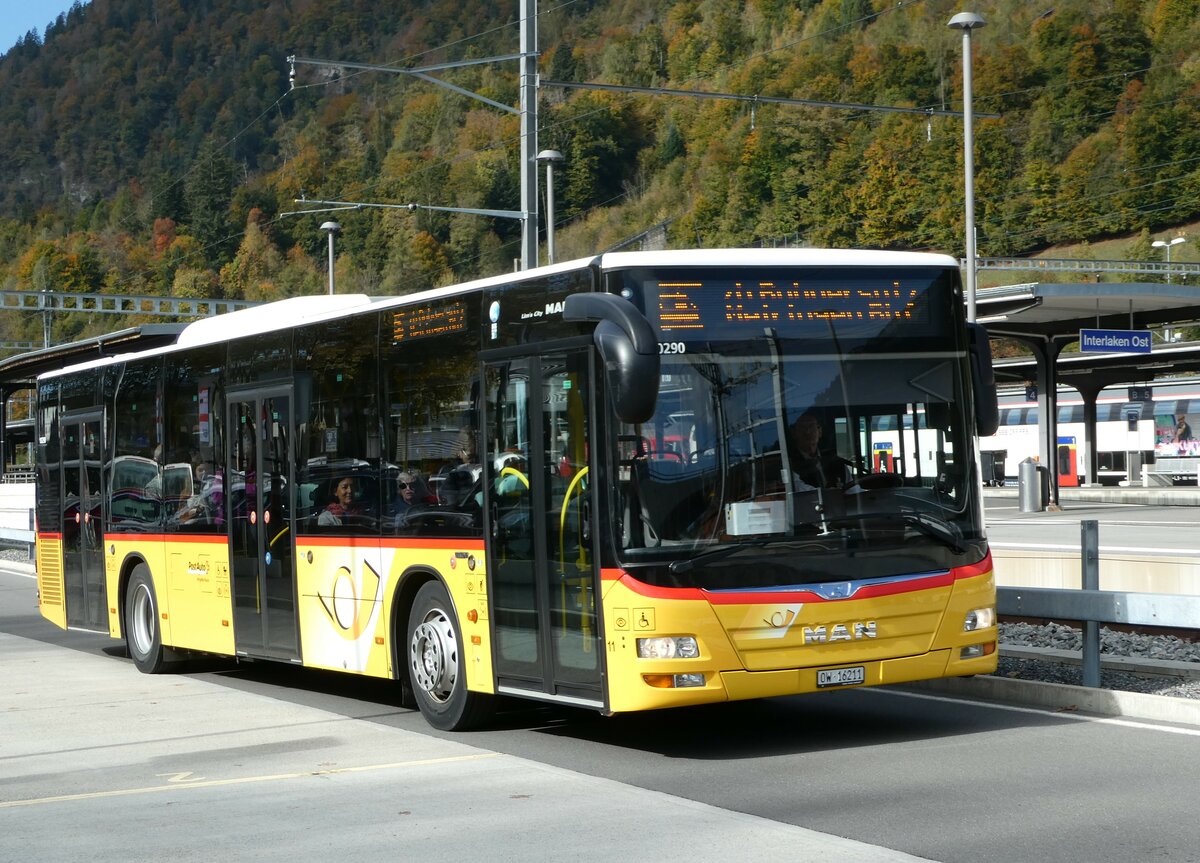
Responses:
[677,647]
[979,618]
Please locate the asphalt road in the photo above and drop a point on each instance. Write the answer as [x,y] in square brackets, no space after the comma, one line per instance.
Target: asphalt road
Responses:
[269,762]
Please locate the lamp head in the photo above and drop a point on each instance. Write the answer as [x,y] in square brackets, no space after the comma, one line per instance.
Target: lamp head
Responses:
[966,21]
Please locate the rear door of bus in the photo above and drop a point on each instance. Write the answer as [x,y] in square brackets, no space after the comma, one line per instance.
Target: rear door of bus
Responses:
[83,523]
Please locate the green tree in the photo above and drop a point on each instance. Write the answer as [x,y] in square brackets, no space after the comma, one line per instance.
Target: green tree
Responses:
[252,272]
[208,192]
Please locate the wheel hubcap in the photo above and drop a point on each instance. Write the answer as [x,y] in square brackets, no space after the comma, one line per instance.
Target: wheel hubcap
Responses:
[141,620]
[433,656]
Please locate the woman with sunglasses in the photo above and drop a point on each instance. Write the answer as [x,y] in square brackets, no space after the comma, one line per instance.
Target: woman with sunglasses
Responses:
[407,496]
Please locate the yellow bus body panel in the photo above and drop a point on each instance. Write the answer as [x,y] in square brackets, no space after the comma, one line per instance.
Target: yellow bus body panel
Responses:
[199,597]
[347,589]
[764,649]
[52,591]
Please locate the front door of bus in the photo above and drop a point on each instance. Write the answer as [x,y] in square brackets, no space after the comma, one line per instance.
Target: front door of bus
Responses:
[259,512]
[541,566]
[82,529]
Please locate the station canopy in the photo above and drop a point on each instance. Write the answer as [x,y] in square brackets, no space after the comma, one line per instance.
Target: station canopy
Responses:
[1052,313]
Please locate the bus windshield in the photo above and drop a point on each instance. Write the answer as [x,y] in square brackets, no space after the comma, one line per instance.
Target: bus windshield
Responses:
[800,442]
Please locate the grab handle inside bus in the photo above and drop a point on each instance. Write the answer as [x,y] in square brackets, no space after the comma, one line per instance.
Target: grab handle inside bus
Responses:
[628,347]
[983,379]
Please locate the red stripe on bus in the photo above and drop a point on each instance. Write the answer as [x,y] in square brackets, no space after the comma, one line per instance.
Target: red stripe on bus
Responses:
[869,591]
[169,538]
[117,536]
[318,541]
[48,535]
[761,597]
[973,569]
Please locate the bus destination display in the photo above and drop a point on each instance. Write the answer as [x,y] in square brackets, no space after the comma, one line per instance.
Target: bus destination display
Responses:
[696,305]
[416,322]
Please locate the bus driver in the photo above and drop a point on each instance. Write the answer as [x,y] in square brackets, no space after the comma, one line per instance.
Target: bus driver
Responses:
[812,467]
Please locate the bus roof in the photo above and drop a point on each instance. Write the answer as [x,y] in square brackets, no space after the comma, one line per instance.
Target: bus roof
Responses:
[775,257]
[269,316]
[294,311]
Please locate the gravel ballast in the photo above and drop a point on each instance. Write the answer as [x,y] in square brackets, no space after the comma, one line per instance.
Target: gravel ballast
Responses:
[1166,652]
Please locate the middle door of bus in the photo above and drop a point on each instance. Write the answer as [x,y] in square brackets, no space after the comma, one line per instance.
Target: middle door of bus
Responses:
[260,506]
[543,576]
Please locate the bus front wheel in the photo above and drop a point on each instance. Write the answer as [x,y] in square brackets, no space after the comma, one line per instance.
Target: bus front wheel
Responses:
[437,665]
[142,634]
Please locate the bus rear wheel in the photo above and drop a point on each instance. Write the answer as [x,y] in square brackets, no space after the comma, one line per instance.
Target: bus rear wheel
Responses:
[142,634]
[436,664]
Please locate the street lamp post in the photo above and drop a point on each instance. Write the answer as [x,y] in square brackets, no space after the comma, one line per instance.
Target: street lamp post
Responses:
[1166,244]
[968,21]
[550,157]
[331,228]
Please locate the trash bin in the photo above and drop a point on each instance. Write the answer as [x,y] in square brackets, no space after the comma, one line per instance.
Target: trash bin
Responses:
[991,467]
[987,467]
[999,464]
[1029,486]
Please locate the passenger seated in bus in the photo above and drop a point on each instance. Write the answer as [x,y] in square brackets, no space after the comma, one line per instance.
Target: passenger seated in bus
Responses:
[406,496]
[342,507]
[512,474]
[811,466]
[461,490]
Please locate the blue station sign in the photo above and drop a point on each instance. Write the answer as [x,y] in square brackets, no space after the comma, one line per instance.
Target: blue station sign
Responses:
[1114,341]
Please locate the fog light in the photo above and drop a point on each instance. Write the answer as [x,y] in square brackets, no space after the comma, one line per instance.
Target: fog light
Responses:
[679,647]
[977,650]
[979,618]
[674,681]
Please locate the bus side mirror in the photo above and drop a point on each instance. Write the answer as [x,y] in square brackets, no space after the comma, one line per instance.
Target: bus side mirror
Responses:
[983,381]
[628,347]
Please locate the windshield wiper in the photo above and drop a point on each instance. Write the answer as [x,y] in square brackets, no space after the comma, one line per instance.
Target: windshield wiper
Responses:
[715,554]
[929,525]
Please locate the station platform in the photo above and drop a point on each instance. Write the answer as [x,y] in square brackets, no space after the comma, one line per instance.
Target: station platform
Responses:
[1132,495]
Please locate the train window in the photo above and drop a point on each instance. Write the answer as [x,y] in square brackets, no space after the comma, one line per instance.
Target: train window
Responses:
[1011,416]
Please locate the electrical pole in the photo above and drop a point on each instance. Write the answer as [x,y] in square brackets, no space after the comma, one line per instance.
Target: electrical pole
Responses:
[529,87]
[528,112]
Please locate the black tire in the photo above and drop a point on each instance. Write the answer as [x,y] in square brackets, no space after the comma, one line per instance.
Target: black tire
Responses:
[143,637]
[437,664]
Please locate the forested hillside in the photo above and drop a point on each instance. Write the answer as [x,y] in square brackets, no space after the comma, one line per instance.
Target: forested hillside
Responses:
[154,146]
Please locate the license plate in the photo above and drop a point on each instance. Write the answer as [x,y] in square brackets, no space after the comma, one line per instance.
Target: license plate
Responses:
[842,676]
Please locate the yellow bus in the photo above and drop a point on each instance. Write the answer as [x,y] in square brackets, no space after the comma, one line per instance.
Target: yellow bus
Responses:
[642,480]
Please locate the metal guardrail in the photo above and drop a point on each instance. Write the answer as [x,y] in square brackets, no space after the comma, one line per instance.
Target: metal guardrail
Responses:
[1092,606]
[52,301]
[1108,606]
[1079,265]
